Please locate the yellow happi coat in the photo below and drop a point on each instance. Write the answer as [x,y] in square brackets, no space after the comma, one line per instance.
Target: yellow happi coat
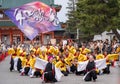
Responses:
[118,50]
[71,49]
[23,58]
[69,59]
[112,57]
[15,53]
[44,57]
[84,51]
[32,62]
[100,56]
[61,65]
[37,51]
[82,58]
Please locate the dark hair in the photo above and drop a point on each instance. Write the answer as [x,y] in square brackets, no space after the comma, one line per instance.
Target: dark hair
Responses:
[31,51]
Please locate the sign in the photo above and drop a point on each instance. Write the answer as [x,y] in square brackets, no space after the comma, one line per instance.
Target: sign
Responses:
[53,41]
[1,15]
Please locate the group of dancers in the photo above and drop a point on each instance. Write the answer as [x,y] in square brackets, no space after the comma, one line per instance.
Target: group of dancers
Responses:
[61,56]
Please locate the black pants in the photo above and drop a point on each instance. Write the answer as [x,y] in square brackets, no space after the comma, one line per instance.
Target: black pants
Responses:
[107,69]
[49,77]
[37,73]
[19,65]
[11,64]
[65,73]
[91,75]
[26,70]
[74,70]
[80,72]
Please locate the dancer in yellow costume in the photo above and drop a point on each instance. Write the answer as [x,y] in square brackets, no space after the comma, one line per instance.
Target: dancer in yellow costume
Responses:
[14,57]
[84,50]
[68,57]
[43,56]
[71,48]
[62,65]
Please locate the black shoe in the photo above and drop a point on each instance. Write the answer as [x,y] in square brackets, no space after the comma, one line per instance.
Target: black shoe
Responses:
[11,70]
[94,80]
[54,80]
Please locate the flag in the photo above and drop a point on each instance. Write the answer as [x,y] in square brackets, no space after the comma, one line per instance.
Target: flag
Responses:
[34,18]
[40,64]
[100,64]
[82,66]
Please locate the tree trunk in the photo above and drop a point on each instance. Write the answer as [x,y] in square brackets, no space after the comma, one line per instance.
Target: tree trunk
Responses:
[116,33]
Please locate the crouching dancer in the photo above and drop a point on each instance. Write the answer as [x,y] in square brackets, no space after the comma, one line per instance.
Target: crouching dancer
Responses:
[90,70]
[49,73]
[28,68]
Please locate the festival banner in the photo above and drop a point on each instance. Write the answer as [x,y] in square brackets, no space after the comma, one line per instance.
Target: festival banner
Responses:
[34,18]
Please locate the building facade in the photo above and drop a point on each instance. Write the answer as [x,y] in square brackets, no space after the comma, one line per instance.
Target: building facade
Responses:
[9,33]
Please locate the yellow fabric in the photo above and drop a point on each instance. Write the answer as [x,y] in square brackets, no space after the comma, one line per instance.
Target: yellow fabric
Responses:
[10,51]
[22,54]
[38,51]
[52,49]
[82,58]
[54,62]
[118,50]
[33,49]
[26,63]
[112,57]
[44,57]
[97,71]
[61,65]
[56,51]
[24,60]
[32,62]
[68,61]
[108,63]
[17,52]
[99,56]
[57,57]
[71,49]
[45,50]
[69,58]
[85,51]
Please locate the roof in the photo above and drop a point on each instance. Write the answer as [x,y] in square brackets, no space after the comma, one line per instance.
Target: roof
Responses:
[11,24]
[60,29]
[6,24]
[16,3]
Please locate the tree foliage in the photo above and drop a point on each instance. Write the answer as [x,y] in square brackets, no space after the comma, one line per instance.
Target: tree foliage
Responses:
[95,16]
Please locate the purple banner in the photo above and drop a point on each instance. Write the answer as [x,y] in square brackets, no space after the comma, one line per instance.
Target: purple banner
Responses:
[34,18]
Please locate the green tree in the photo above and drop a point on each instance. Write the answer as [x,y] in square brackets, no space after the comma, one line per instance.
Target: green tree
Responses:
[72,21]
[95,16]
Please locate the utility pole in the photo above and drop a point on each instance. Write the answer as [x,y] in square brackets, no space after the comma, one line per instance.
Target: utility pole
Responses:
[77,34]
